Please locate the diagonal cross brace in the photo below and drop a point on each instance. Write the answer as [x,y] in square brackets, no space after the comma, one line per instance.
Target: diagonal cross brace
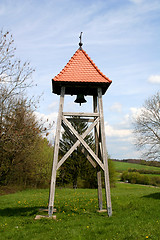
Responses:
[77,142]
[82,148]
[81,140]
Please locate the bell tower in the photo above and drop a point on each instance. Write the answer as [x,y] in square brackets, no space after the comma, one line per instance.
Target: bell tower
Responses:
[81,77]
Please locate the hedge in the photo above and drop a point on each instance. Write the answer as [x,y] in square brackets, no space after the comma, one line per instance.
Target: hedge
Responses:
[137,178]
[143,171]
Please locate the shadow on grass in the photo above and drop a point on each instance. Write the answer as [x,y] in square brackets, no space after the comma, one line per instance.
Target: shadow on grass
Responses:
[19,211]
[153,195]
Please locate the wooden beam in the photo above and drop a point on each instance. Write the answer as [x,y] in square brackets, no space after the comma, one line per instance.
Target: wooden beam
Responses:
[104,154]
[55,157]
[95,109]
[83,150]
[100,197]
[83,143]
[97,146]
[88,157]
[74,139]
[76,143]
[80,119]
[80,114]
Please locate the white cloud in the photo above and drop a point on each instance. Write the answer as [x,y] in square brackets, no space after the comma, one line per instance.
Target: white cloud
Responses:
[119,133]
[50,116]
[154,79]
[116,107]
[136,112]
[48,120]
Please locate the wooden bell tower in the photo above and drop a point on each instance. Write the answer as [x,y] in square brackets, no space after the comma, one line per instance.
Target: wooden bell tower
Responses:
[82,77]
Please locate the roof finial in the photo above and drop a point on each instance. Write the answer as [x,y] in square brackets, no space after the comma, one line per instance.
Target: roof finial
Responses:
[80,43]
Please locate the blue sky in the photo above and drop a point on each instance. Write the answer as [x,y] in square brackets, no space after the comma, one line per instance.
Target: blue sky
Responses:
[122,37]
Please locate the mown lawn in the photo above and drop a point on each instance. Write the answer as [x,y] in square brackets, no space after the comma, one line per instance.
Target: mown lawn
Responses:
[136,215]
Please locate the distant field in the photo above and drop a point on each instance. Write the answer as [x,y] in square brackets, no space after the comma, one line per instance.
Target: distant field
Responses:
[123,166]
[151,175]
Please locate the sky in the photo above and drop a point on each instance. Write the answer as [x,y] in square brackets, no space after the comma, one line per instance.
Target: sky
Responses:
[122,37]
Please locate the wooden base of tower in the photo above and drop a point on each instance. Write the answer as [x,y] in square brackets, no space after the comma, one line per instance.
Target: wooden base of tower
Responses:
[98,159]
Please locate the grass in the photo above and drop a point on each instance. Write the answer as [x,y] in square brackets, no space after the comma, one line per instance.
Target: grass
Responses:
[124,166]
[151,175]
[136,215]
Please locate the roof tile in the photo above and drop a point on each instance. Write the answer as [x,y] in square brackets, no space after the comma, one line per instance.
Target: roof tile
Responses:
[81,68]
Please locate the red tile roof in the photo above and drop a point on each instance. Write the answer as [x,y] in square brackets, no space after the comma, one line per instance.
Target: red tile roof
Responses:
[81,68]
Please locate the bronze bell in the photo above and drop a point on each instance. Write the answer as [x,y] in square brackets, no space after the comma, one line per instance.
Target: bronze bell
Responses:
[80,99]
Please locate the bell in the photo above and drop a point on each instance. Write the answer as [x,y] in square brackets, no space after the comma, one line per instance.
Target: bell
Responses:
[80,99]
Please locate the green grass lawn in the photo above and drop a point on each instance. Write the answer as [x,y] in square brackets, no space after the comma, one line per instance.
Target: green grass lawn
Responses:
[136,215]
[124,166]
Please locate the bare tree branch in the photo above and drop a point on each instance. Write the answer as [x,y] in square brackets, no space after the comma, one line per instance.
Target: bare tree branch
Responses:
[147,128]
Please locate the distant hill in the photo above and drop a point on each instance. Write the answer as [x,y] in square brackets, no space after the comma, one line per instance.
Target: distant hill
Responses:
[139,161]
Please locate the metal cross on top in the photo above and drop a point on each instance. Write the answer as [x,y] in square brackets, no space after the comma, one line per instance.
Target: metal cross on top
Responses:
[80,43]
[81,77]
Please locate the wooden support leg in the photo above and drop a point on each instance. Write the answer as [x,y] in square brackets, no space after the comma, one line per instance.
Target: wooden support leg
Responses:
[104,154]
[55,157]
[100,198]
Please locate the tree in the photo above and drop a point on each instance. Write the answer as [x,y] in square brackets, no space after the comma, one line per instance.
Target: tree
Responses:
[15,78]
[34,170]
[22,160]
[147,128]
[25,157]
[20,131]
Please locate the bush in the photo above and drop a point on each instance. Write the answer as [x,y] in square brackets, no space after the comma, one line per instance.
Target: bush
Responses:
[143,171]
[155,181]
[137,178]
[124,176]
[134,177]
[145,180]
[112,173]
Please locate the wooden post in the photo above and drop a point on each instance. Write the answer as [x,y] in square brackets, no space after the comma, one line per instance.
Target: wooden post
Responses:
[99,181]
[100,198]
[104,154]
[55,157]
